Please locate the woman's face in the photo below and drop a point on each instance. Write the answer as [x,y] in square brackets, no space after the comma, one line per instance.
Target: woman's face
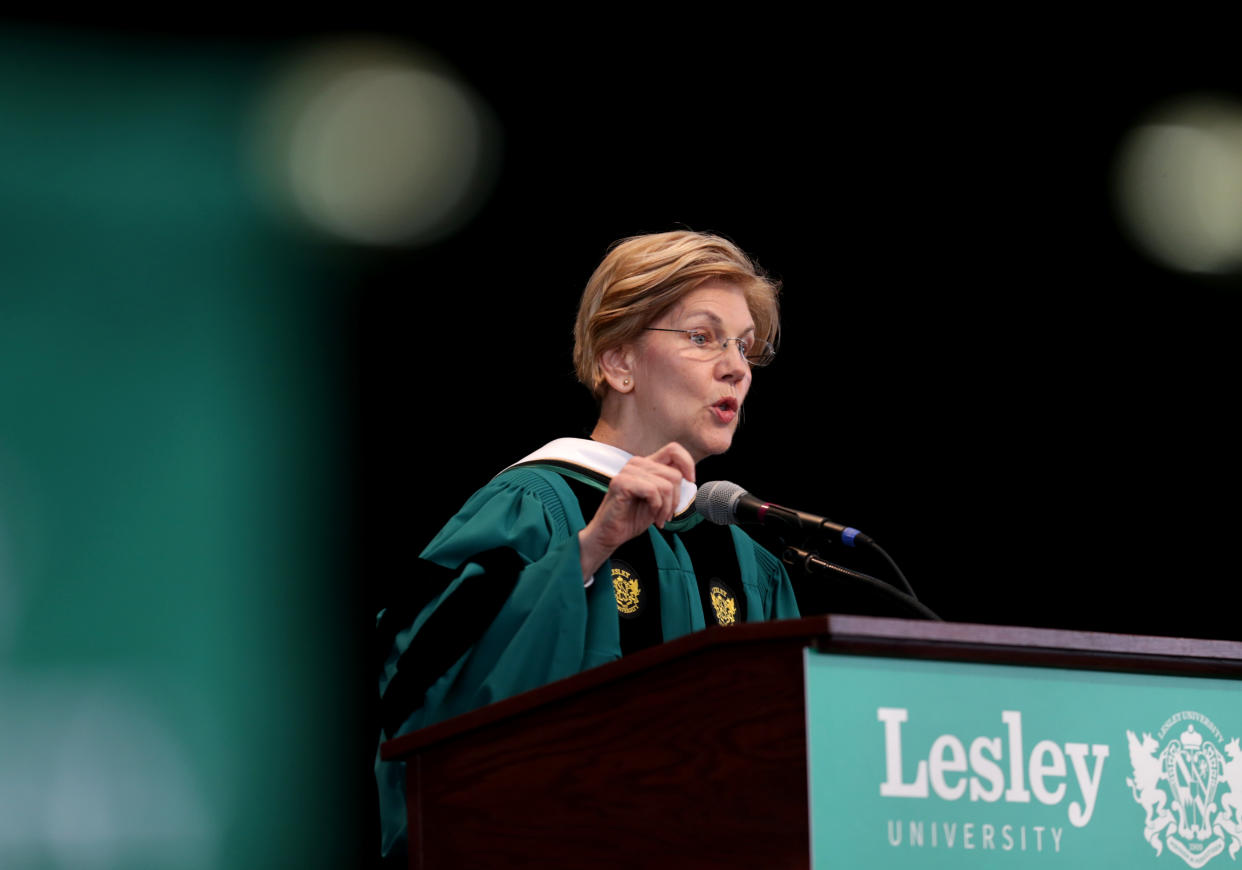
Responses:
[682,397]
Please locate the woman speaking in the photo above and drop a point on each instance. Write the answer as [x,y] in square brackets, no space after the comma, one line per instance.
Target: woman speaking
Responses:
[588,549]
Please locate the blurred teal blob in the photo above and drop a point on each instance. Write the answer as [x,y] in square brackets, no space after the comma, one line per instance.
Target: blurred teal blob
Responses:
[171,552]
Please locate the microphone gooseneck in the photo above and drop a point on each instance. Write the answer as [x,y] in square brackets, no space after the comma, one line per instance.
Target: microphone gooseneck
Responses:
[725,503]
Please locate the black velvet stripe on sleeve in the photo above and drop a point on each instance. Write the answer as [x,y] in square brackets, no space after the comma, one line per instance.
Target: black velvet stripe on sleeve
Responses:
[408,599]
[449,632]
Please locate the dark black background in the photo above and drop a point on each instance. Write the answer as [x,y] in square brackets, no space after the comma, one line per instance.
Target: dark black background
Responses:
[977,368]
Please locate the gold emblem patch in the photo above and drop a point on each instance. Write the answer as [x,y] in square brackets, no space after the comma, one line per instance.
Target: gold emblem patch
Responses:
[628,589]
[723,603]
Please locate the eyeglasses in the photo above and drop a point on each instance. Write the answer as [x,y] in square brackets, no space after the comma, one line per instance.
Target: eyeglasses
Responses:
[706,345]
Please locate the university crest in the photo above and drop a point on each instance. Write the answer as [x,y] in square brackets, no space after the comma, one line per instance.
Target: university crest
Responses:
[724,603]
[1190,792]
[628,588]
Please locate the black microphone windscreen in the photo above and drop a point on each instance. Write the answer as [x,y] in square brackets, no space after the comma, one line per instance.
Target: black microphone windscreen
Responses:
[717,500]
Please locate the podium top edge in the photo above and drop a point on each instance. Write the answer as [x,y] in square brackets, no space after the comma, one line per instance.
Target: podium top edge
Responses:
[872,635]
[886,628]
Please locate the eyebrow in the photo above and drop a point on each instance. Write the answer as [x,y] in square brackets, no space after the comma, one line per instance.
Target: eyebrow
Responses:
[713,317]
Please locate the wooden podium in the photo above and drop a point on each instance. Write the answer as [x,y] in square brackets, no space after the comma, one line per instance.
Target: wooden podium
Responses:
[694,753]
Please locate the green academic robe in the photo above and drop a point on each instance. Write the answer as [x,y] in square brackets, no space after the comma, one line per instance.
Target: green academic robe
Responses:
[507,610]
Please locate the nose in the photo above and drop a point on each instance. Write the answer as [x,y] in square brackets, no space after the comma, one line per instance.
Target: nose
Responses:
[732,366]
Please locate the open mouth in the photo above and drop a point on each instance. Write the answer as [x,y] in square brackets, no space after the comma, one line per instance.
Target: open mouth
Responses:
[726,409]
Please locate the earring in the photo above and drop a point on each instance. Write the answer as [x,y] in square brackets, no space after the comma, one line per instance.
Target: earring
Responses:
[625,382]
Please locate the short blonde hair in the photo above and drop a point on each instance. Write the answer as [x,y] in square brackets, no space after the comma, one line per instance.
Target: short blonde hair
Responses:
[641,277]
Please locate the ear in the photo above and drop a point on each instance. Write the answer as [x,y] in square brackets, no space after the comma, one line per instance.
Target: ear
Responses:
[617,364]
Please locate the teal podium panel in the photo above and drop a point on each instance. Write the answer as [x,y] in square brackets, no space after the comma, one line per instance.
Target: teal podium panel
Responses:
[844,741]
[918,763]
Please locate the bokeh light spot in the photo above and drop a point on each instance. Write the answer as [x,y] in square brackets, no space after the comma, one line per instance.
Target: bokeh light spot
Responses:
[372,144]
[1179,185]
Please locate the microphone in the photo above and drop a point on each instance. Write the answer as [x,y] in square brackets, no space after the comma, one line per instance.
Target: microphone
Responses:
[725,503]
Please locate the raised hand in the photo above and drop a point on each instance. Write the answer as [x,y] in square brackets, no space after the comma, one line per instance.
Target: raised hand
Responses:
[645,491]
